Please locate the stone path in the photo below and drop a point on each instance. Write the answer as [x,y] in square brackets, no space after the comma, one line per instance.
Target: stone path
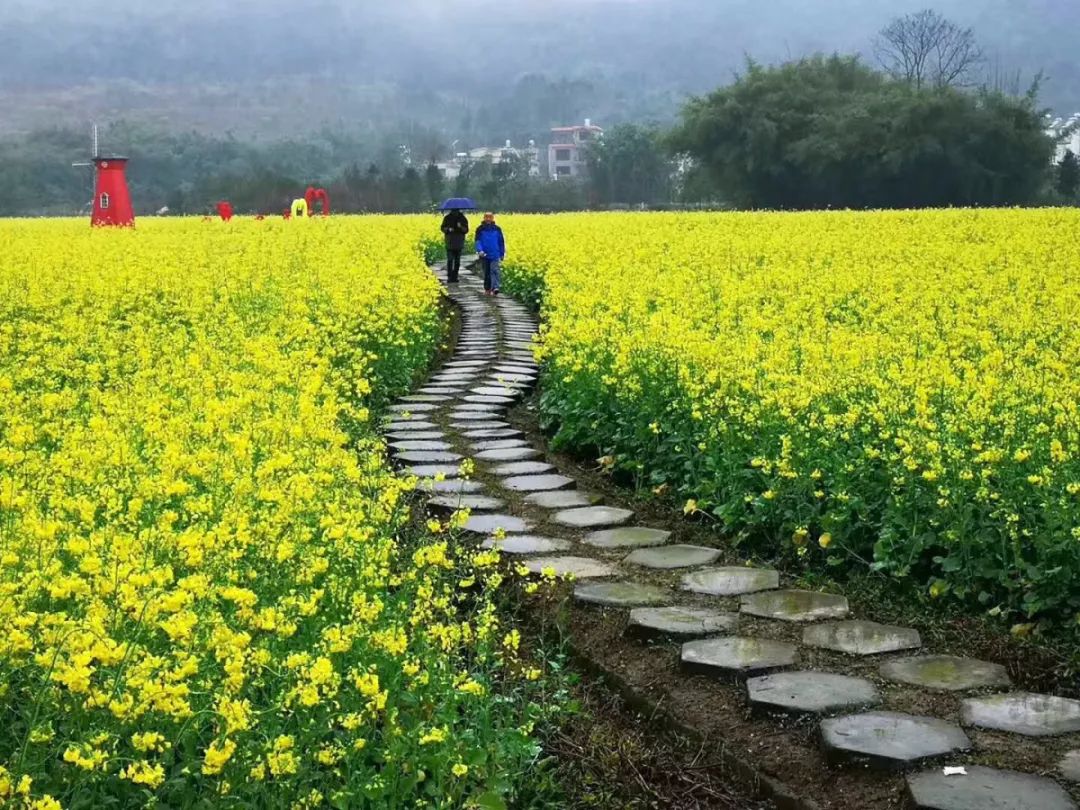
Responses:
[523,505]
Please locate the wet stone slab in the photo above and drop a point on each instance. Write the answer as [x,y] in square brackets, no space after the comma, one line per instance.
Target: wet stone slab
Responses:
[428,456]
[627,537]
[496,391]
[425,398]
[589,516]
[434,470]
[413,407]
[501,377]
[737,657]
[563,499]
[1069,767]
[861,638]
[678,556]
[479,403]
[508,454]
[731,581]
[528,544]
[537,483]
[890,739]
[985,789]
[680,621]
[406,425]
[407,445]
[414,435]
[811,692]
[516,468]
[476,503]
[621,594]
[1023,713]
[578,567]
[945,672]
[493,424]
[498,433]
[455,486]
[498,444]
[462,415]
[795,606]
[489,524]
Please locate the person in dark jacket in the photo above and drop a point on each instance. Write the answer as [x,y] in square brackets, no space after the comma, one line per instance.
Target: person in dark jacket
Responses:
[455,226]
[491,247]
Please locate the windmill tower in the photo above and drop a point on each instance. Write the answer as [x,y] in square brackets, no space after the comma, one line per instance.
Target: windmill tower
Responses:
[112,201]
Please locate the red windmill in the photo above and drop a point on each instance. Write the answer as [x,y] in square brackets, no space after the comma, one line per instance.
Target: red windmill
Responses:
[112,201]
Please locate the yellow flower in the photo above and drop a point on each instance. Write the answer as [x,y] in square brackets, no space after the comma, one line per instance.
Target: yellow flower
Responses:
[216,756]
[690,507]
[460,769]
[825,540]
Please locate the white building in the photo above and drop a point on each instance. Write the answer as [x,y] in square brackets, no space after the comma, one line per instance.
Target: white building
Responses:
[493,154]
[1067,133]
[566,153]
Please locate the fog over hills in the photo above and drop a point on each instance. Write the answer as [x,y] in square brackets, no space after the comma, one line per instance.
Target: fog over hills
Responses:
[267,67]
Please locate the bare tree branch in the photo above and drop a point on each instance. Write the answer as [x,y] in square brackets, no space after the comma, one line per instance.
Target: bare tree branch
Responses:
[926,49]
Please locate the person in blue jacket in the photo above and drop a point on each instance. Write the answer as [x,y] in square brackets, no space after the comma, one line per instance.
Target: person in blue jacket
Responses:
[491,247]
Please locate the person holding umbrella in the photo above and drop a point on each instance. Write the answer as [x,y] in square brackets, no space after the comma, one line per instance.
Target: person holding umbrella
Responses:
[491,247]
[455,227]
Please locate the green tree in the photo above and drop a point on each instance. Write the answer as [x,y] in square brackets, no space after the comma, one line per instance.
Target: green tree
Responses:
[1068,175]
[831,132]
[629,165]
[435,184]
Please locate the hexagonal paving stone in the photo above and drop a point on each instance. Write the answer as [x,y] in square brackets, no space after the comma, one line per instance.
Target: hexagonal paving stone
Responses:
[496,391]
[414,436]
[1070,766]
[489,524]
[985,789]
[578,567]
[503,377]
[508,454]
[516,468]
[680,621]
[537,483]
[476,503]
[945,672]
[471,416]
[737,657]
[488,404]
[490,424]
[434,470]
[428,456]
[1023,713]
[811,692]
[731,581]
[890,739]
[407,445]
[499,433]
[425,398]
[589,516]
[861,638]
[678,556]
[622,594]
[411,407]
[454,486]
[627,537]
[498,444]
[404,426]
[527,544]
[563,499]
[795,606]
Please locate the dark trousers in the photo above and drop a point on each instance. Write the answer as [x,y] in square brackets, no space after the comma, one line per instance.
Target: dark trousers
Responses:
[485,262]
[453,264]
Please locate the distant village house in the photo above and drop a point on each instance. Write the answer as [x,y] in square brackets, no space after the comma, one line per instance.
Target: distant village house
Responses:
[566,153]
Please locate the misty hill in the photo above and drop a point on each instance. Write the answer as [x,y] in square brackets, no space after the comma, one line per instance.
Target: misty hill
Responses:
[268,68]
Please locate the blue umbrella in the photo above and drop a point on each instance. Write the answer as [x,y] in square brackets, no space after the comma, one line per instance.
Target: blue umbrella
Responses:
[458,203]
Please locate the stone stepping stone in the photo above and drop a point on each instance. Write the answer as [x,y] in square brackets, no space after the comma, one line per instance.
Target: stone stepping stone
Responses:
[489,524]
[426,398]
[587,517]
[627,537]
[415,435]
[680,621]
[516,468]
[537,483]
[455,486]
[528,544]
[499,402]
[738,657]
[562,499]
[490,408]
[678,556]
[421,444]
[795,606]
[861,638]
[409,407]
[508,454]
[985,789]
[499,444]
[476,503]
[525,369]
[428,456]
[433,470]
[500,377]
[1023,713]
[578,567]
[811,692]
[439,389]
[731,581]
[1070,766]
[889,739]
[409,424]
[499,433]
[945,672]
[471,416]
[621,594]
[490,424]
[495,391]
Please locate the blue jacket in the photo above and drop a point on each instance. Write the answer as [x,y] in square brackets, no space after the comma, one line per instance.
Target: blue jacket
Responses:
[490,241]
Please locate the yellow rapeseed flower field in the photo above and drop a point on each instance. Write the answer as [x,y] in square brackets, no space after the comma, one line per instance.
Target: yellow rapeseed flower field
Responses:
[893,389]
[208,589]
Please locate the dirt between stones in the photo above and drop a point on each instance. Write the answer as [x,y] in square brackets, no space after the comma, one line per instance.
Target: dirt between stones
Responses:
[783,747]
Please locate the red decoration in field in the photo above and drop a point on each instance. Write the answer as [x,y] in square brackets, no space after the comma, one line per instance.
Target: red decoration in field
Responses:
[317,195]
[112,202]
[225,210]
